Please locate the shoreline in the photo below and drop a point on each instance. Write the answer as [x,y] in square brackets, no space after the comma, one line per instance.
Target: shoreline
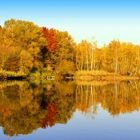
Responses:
[102,76]
[88,76]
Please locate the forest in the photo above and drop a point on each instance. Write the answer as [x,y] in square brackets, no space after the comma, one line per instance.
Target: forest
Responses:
[28,51]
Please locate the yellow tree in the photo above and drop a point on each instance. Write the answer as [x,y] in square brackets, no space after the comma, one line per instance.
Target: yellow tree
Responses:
[114,48]
[26,36]
[85,55]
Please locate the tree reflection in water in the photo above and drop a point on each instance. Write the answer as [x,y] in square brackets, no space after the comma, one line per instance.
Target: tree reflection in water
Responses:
[26,106]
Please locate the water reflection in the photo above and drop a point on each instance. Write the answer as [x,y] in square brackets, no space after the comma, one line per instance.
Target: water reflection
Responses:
[25,106]
[115,98]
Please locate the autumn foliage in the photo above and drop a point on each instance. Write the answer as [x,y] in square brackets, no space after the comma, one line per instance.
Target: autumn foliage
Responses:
[27,48]
[50,35]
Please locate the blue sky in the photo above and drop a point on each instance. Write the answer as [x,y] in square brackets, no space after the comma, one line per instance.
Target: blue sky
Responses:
[103,20]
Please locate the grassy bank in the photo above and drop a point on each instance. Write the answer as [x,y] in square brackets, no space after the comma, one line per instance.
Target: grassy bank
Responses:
[78,76]
[102,76]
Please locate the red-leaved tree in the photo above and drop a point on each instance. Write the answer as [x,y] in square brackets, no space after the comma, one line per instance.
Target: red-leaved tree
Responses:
[51,37]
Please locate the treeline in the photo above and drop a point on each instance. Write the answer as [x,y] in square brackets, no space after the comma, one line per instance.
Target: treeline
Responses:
[116,57]
[27,48]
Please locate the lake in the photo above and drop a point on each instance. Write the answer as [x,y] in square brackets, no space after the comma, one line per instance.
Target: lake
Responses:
[60,110]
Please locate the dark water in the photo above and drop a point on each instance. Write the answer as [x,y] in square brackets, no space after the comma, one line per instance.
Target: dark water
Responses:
[66,111]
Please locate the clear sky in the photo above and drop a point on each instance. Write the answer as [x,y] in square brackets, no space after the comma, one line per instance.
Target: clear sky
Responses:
[104,20]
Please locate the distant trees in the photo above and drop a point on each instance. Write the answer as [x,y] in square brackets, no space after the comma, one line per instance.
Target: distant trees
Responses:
[116,57]
[122,58]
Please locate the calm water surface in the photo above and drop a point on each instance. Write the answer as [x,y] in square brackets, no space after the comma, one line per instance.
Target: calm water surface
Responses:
[69,111]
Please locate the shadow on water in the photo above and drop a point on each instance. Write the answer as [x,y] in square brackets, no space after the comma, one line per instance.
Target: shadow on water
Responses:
[26,106]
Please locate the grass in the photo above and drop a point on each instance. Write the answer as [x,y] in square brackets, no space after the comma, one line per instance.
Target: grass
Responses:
[101,76]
